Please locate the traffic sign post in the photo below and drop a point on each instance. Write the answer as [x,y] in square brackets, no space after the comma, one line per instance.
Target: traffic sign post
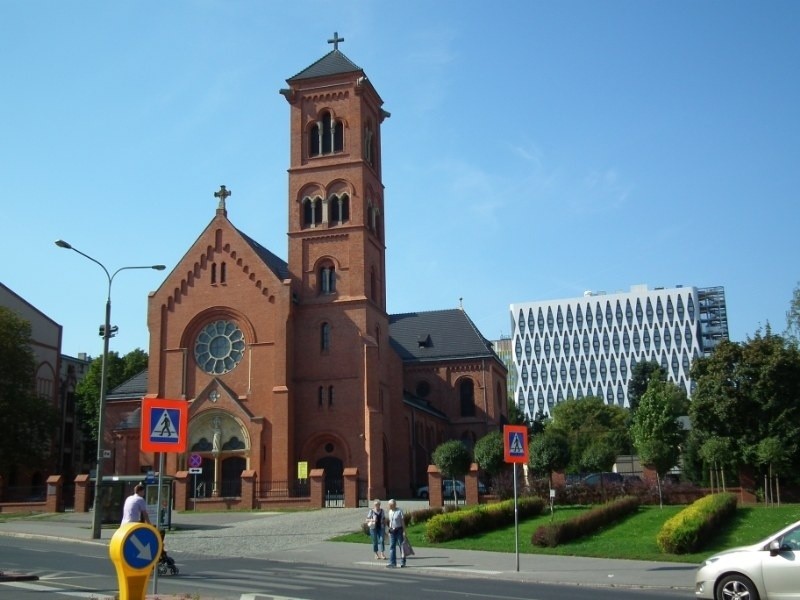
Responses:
[515,450]
[164,425]
[134,549]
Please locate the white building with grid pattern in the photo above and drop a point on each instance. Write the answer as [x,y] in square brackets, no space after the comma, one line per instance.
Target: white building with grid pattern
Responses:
[587,346]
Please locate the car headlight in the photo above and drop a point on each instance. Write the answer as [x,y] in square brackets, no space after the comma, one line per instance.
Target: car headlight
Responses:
[710,561]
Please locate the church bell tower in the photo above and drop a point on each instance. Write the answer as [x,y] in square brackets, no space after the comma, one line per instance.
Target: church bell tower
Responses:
[337,262]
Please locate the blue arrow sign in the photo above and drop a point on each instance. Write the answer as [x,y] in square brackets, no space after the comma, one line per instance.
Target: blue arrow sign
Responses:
[139,548]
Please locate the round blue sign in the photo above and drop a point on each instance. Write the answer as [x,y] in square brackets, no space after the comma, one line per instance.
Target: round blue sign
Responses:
[140,548]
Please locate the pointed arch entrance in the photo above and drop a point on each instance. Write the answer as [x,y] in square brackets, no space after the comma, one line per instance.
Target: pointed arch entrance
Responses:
[223,442]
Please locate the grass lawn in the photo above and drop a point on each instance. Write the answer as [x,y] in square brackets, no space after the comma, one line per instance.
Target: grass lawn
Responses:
[632,538]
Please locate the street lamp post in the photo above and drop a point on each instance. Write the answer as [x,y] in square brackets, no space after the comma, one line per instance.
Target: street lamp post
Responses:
[107,333]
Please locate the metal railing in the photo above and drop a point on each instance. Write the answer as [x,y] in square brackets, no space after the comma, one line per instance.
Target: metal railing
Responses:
[295,488]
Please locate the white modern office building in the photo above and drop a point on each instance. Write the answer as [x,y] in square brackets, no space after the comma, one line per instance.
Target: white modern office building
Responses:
[587,346]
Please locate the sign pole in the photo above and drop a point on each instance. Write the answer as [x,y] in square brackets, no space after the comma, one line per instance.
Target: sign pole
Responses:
[158,514]
[515,450]
[516,519]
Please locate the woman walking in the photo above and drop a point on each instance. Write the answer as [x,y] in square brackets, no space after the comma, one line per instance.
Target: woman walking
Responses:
[377,525]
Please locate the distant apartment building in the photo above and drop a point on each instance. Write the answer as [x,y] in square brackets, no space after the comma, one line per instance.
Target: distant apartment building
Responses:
[588,346]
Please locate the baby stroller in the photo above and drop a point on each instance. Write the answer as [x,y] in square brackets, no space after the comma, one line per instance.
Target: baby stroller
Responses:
[166,564]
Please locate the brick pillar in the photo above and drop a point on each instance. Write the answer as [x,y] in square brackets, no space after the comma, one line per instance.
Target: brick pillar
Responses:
[434,486]
[55,488]
[558,479]
[181,490]
[249,489]
[82,493]
[351,487]
[317,482]
[649,475]
[471,485]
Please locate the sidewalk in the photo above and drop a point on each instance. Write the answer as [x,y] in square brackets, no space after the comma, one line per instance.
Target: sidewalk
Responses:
[300,537]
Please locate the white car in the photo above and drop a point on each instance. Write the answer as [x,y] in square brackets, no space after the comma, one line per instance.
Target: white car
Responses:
[768,570]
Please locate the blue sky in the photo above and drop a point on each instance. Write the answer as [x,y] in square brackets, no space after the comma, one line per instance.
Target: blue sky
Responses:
[535,149]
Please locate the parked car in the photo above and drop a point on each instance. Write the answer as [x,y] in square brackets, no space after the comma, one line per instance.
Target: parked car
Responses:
[607,479]
[768,569]
[447,489]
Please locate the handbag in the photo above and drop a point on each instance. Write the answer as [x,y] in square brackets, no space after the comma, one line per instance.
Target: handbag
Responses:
[407,549]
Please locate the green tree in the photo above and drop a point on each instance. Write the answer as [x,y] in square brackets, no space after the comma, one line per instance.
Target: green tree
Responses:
[118,370]
[641,373]
[548,452]
[793,318]
[27,421]
[771,454]
[587,422]
[716,452]
[747,392]
[490,452]
[453,460]
[656,432]
[516,416]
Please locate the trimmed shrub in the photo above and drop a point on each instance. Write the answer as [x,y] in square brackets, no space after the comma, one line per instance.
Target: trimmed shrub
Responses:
[553,534]
[485,517]
[694,525]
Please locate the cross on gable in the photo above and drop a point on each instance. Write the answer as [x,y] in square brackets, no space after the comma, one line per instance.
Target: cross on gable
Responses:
[222,194]
[335,41]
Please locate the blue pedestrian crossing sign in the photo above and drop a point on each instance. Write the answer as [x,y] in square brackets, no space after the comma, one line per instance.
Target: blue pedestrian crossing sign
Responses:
[515,443]
[164,424]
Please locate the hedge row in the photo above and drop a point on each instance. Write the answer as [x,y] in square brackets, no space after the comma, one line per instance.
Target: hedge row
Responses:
[689,529]
[553,534]
[485,517]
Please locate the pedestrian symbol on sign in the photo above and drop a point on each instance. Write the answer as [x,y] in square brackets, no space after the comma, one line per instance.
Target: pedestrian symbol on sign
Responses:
[165,428]
[516,449]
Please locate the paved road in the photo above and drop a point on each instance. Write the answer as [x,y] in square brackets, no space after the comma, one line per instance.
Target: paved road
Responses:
[300,536]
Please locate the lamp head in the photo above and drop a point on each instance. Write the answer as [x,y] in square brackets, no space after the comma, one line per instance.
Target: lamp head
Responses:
[63,244]
[159,267]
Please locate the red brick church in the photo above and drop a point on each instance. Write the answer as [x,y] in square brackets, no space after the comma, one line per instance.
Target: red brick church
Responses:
[294,362]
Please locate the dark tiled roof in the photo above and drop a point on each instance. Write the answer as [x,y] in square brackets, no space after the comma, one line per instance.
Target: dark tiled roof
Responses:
[277,265]
[135,387]
[333,63]
[437,335]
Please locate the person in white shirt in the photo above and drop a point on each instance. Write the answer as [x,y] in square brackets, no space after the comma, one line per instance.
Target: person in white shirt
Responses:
[397,527]
[135,508]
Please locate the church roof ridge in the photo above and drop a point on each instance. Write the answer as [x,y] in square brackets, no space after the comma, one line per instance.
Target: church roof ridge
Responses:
[275,263]
[333,63]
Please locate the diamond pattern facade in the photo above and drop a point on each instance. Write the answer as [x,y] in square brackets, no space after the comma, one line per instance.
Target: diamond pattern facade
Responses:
[588,346]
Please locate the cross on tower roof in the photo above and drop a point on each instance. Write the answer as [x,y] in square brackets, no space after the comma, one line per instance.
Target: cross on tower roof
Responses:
[222,194]
[335,41]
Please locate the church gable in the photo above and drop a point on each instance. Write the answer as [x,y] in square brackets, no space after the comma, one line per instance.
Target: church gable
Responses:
[224,256]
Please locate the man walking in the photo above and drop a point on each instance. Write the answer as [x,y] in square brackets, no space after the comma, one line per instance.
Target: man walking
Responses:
[397,527]
[135,508]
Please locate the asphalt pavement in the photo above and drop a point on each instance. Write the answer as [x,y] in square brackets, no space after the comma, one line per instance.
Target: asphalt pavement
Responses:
[301,537]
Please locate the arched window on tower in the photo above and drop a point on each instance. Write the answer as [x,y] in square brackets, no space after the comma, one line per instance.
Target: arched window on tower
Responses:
[373,285]
[327,278]
[332,138]
[312,211]
[466,393]
[325,337]
[369,143]
[339,208]
[314,136]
